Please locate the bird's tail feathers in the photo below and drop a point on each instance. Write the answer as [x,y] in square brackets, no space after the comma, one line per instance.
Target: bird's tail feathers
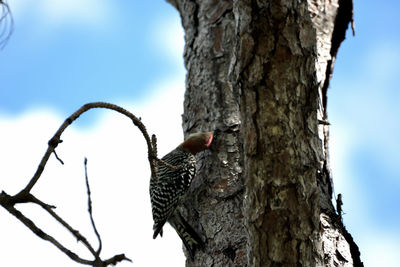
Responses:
[190,238]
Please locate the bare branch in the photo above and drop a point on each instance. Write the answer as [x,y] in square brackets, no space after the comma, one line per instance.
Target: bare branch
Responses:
[55,140]
[74,232]
[90,210]
[24,196]
[117,258]
[154,143]
[60,160]
[6,23]
[8,203]
[6,200]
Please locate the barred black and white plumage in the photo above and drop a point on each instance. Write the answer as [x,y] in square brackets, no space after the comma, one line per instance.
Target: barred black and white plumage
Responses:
[168,192]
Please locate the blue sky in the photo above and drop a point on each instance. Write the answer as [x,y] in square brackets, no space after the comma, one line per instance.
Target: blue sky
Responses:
[364,112]
[114,53]
[65,53]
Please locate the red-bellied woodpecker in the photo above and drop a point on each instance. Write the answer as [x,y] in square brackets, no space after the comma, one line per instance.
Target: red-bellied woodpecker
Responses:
[168,192]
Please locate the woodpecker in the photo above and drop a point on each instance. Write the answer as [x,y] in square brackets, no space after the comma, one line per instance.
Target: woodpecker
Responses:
[168,191]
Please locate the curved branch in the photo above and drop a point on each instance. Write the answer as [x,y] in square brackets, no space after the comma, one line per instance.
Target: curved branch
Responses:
[55,140]
[24,196]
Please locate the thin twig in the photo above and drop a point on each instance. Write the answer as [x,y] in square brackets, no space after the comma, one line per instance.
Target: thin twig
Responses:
[8,203]
[24,196]
[90,209]
[154,145]
[40,233]
[117,258]
[6,26]
[55,140]
[60,160]
[73,231]
[154,142]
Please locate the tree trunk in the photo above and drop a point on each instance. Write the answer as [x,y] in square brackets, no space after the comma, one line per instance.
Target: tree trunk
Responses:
[258,73]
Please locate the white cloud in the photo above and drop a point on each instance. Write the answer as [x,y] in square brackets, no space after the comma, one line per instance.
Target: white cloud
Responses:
[168,37]
[380,249]
[119,175]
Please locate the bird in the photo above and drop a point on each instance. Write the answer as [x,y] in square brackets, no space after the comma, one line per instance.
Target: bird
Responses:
[169,189]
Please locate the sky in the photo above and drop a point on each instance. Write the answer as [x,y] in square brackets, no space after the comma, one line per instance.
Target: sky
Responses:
[65,53]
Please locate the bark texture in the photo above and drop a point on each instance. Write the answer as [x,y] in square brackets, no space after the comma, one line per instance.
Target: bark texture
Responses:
[258,72]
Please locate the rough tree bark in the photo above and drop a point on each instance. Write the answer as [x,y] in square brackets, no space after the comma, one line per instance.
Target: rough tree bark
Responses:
[258,72]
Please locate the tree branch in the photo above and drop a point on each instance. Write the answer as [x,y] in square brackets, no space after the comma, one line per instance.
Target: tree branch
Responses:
[7,202]
[74,232]
[6,23]
[90,210]
[24,196]
[56,139]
